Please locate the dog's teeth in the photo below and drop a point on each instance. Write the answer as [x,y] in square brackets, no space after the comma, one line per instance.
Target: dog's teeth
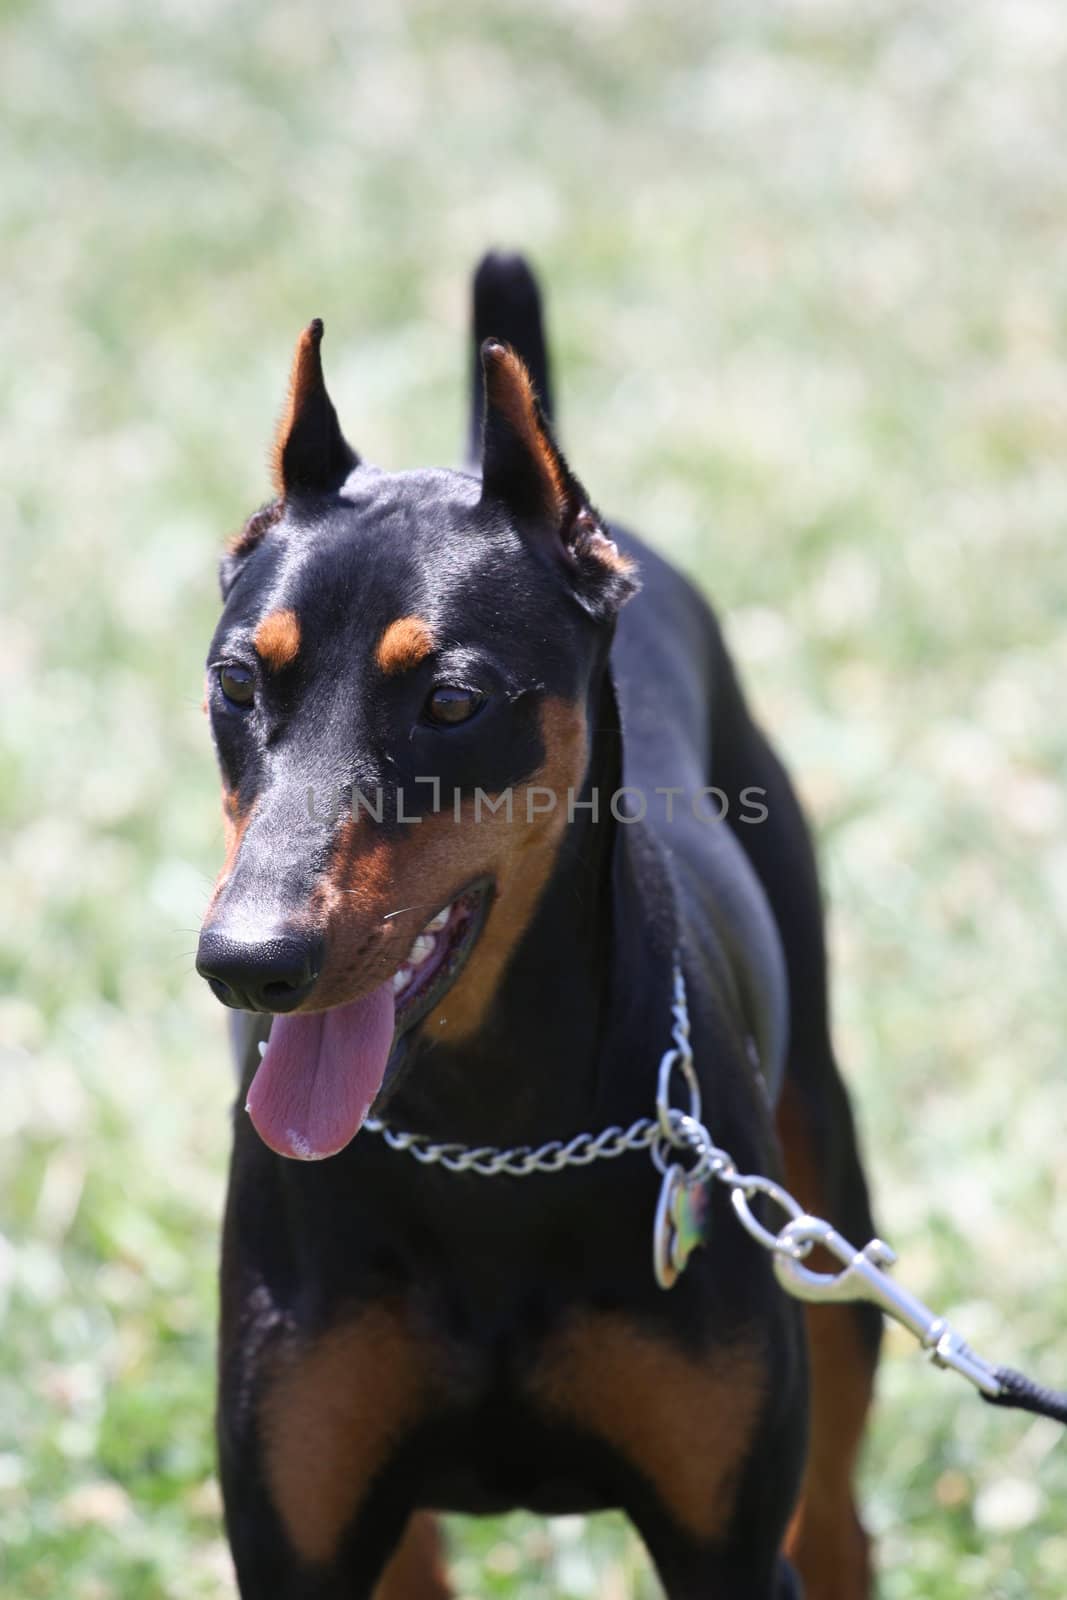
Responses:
[437,923]
[401,979]
[262,1048]
[422,949]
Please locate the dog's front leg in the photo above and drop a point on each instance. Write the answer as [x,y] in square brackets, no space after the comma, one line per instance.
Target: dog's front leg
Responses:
[273,1557]
[387,1555]
[701,1438]
[708,1575]
[309,1424]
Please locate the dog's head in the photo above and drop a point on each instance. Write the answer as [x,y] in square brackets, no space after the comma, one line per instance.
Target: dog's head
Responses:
[397,690]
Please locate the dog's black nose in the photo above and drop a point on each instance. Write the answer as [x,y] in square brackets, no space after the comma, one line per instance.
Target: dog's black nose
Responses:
[270,975]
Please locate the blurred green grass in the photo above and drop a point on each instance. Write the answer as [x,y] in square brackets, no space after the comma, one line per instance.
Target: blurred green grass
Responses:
[808,282]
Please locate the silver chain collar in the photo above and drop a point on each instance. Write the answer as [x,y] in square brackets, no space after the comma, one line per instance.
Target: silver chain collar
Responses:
[489,1162]
[670,1135]
[647,1133]
[689,1159]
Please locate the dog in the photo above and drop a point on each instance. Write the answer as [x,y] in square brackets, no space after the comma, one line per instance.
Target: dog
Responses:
[494,808]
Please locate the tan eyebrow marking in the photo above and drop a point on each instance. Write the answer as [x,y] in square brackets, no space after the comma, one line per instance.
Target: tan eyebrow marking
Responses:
[277,638]
[405,643]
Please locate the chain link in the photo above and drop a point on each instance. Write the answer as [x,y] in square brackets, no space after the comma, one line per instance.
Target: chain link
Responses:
[684,1152]
[862,1275]
[683,1132]
[522,1160]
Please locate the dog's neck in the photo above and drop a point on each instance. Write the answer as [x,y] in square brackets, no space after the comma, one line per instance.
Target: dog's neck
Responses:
[538,1069]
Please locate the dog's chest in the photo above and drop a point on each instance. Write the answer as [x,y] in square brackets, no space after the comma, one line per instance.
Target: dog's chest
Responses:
[550,1411]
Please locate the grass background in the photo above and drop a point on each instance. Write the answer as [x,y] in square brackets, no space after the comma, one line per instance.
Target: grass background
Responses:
[808,278]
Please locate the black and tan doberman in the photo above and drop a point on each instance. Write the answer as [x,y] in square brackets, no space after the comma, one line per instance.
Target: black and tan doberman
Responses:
[488,775]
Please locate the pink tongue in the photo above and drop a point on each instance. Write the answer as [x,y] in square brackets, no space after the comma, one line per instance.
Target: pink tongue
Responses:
[319,1075]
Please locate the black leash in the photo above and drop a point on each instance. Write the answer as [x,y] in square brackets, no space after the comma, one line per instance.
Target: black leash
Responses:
[1020,1393]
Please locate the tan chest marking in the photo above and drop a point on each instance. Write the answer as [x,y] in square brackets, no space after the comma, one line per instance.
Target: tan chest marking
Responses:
[332,1412]
[277,639]
[687,1424]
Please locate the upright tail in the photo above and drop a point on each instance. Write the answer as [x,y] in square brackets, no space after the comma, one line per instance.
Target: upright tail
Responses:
[507,306]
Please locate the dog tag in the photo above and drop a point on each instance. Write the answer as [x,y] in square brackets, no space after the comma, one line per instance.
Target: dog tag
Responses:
[681,1213]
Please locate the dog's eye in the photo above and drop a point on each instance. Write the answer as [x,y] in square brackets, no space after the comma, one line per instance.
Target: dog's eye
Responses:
[449,704]
[237,683]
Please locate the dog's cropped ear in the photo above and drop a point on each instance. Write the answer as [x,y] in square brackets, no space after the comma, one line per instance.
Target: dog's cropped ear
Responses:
[311,454]
[524,470]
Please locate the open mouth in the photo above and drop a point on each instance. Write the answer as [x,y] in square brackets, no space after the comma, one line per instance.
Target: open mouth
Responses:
[438,955]
[322,1071]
